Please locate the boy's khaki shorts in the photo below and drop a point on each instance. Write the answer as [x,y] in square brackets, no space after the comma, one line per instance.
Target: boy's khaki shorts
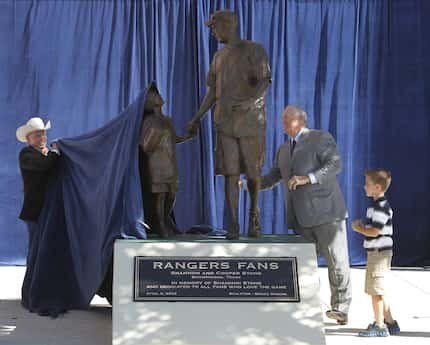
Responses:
[378,265]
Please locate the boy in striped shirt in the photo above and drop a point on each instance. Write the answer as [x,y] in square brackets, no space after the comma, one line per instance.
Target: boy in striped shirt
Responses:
[378,242]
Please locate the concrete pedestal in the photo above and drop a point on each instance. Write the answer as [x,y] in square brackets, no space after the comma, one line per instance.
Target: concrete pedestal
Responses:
[217,323]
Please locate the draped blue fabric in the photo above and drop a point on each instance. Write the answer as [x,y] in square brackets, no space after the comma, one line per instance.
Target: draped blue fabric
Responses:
[93,199]
[360,68]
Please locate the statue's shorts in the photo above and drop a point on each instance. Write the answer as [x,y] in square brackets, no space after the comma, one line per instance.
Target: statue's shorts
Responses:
[242,155]
[165,187]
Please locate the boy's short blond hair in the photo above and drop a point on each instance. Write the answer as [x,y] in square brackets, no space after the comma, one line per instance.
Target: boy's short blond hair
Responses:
[381,177]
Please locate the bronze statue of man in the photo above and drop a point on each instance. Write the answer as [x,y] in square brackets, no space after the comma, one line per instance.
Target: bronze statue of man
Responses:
[237,81]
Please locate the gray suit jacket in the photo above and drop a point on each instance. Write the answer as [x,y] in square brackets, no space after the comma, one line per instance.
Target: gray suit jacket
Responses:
[311,204]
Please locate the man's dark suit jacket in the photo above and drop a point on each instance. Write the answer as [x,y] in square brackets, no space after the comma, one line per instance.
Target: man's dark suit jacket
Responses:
[35,170]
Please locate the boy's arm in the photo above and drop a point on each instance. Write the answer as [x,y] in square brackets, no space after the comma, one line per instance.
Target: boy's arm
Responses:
[376,224]
[358,226]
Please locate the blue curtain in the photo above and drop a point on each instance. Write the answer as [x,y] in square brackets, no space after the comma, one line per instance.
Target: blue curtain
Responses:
[360,68]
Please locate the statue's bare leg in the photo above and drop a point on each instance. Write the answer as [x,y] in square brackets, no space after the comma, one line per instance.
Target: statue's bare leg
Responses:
[254,228]
[168,216]
[232,197]
[160,199]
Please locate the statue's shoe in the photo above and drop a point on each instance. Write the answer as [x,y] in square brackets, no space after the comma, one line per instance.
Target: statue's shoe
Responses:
[254,228]
[233,232]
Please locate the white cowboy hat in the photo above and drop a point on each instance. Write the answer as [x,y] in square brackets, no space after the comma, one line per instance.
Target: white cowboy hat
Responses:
[34,124]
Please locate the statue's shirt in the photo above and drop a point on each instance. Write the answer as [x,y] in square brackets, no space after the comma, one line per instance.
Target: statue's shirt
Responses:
[234,74]
[161,156]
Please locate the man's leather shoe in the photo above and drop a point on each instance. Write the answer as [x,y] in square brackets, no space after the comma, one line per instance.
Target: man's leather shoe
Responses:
[339,316]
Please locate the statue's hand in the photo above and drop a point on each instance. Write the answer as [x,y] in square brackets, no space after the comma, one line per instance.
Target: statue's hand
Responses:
[245,105]
[193,127]
[243,184]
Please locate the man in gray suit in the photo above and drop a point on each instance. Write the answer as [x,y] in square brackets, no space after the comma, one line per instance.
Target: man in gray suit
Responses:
[307,164]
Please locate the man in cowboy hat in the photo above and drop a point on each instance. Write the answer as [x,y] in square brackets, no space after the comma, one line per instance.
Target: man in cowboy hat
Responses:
[36,162]
[237,81]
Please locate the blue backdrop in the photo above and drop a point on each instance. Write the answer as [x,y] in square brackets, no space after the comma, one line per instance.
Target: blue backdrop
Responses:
[360,68]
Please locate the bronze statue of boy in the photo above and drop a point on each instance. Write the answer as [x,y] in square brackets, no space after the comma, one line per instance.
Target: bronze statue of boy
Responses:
[159,168]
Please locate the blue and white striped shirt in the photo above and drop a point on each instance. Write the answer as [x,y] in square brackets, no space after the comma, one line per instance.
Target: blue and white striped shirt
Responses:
[379,215]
